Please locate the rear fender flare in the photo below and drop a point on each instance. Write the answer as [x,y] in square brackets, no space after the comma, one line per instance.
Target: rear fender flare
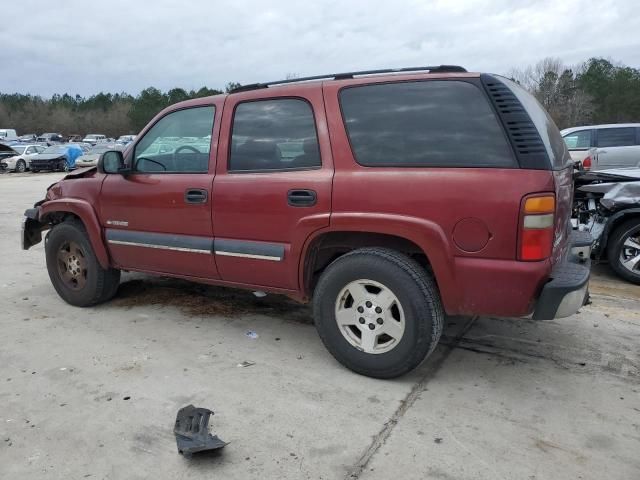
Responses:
[83,210]
[427,235]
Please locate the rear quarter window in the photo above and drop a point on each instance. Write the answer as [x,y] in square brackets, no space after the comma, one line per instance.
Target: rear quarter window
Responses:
[547,128]
[432,123]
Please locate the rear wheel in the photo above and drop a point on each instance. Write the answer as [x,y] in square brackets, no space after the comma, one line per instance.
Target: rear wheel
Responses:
[378,312]
[623,250]
[34,170]
[74,269]
[21,166]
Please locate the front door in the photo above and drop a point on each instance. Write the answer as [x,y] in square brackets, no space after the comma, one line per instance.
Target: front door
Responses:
[273,185]
[158,218]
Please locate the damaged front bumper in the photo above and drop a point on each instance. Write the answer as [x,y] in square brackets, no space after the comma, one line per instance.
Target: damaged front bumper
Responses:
[568,288]
[31,231]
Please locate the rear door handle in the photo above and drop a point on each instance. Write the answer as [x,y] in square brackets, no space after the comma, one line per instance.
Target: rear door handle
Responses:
[302,198]
[195,195]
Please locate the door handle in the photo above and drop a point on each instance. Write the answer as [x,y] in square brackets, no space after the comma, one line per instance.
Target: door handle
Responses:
[301,198]
[195,195]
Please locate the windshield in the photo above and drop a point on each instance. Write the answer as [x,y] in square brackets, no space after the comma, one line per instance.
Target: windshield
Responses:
[19,148]
[55,149]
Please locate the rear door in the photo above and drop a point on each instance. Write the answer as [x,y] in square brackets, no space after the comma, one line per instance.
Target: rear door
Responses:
[617,148]
[158,218]
[273,184]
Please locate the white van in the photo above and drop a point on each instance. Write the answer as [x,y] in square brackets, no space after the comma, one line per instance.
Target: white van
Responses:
[601,147]
[8,135]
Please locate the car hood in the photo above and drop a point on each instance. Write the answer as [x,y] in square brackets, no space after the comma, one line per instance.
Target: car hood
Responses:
[48,156]
[7,148]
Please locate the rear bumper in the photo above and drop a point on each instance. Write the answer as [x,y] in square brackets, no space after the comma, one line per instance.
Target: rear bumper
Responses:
[568,287]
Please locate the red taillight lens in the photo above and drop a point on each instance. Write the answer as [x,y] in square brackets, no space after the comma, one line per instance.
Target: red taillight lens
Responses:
[586,163]
[536,227]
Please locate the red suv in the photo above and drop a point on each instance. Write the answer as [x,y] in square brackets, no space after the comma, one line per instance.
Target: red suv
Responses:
[388,198]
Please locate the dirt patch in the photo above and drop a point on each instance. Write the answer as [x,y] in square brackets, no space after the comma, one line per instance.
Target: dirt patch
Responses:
[203,300]
[605,282]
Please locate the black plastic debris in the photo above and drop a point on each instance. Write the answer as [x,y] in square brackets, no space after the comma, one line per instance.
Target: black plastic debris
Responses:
[192,431]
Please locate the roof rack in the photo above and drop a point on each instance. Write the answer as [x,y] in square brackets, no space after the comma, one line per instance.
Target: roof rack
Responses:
[343,76]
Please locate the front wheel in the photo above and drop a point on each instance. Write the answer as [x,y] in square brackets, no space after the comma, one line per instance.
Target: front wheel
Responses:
[21,166]
[63,166]
[378,312]
[623,250]
[74,269]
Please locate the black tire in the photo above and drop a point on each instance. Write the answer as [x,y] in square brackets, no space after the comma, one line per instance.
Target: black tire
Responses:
[416,293]
[63,166]
[615,246]
[34,170]
[99,285]
[21,166]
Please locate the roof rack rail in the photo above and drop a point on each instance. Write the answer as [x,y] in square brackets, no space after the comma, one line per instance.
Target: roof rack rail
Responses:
[345,75]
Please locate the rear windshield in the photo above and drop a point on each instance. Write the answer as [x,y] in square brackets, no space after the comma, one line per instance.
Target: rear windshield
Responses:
[547,129]
[424,124]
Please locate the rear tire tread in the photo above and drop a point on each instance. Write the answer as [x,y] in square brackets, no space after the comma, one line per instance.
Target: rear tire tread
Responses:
[430,296]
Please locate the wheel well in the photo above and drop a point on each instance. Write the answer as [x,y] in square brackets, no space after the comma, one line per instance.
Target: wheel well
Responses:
[329,246]
[53,218]
[611,229]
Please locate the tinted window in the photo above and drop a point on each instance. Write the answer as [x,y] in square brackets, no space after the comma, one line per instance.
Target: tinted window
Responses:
[178,143]
[431,123]
[616,137]
[578,140]
[274,135]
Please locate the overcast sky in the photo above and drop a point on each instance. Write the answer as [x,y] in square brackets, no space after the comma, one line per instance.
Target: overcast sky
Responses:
[87,46]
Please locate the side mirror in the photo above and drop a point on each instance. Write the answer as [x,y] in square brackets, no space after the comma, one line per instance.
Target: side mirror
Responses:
[112,161]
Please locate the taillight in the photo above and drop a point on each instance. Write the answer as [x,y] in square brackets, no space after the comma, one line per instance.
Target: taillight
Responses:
[586,163]
[536,228]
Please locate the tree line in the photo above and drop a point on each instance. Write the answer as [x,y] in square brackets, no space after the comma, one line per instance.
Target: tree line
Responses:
[595,91]
[111,114]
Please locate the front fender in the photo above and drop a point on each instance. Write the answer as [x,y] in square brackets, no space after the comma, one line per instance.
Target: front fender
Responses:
[83,210]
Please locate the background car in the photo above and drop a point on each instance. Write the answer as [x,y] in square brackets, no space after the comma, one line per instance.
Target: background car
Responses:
[125,140]
[22,161]
[28,138]
[50,138]
[90,158]
[94,138]
[5,152]
[56,157]
[8,135]
[601,147]
[74,138]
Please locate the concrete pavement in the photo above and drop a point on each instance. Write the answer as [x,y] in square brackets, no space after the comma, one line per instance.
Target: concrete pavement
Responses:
[93,393]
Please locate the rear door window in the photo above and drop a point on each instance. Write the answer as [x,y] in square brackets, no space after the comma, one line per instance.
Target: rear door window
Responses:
[616,137]
[580,140]
[424,124]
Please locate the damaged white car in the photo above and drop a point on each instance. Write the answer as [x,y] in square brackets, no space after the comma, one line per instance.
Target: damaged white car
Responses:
[607,205]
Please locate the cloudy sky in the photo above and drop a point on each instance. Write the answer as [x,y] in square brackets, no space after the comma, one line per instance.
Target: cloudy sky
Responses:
[87,46]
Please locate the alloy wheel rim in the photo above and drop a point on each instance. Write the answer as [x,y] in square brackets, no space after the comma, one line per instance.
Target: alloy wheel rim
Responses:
[72,265]
[370,316]
[630,252]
